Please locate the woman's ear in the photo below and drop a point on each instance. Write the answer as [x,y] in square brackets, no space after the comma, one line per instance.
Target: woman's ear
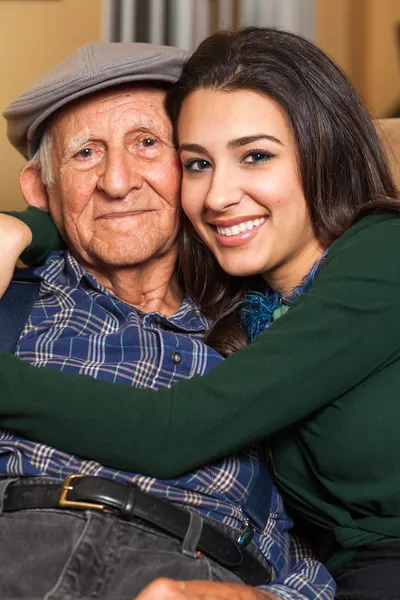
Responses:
[33,189]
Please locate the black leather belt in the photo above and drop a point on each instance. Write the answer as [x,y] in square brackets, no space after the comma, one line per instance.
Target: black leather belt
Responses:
[127,501]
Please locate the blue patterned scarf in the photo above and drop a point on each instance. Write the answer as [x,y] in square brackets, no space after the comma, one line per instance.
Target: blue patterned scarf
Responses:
[260,309]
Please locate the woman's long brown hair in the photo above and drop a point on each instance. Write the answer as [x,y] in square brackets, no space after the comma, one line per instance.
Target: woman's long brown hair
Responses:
[343,169]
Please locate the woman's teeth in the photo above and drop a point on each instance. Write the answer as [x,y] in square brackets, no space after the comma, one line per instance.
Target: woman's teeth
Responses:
[236,229]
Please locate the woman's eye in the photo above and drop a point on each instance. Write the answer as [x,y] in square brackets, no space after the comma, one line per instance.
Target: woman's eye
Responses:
[196,164]
[257,157]
[147,143]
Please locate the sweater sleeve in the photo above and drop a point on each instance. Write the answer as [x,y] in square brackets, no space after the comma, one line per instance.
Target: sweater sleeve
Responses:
[331,340]
[45,237]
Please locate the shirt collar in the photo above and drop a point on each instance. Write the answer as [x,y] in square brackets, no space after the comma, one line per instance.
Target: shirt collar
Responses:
[61,268]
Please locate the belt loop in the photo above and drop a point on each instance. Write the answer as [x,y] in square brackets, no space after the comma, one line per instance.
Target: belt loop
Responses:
[192,535]
[4,483]
[127,511]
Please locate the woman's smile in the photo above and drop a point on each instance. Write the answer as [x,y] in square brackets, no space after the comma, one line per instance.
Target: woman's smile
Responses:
[238,231]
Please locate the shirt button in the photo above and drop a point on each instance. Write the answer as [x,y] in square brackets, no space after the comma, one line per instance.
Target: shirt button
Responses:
[176,358]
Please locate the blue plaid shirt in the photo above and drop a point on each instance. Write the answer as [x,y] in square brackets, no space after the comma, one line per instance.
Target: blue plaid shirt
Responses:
[78,326]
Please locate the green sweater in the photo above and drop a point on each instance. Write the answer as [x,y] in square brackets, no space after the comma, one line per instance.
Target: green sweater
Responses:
[323,383]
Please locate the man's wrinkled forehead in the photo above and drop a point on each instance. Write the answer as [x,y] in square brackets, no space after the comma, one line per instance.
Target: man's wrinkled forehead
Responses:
[128,108]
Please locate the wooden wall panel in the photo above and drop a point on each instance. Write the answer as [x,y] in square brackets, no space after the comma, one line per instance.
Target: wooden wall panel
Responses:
[34,35]
[360,35]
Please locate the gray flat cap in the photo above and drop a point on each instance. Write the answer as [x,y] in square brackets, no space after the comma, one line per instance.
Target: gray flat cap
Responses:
[93,67]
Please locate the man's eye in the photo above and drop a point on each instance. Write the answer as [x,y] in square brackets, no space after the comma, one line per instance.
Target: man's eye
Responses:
[85,153]
[148,143]
[257,157]
[196,164]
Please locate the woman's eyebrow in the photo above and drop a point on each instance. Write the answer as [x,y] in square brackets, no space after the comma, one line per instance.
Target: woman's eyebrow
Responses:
[192,148]
[236,143]
[250,139]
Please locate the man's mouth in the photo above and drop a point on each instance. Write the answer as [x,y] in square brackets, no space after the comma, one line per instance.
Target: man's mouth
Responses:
[121,215]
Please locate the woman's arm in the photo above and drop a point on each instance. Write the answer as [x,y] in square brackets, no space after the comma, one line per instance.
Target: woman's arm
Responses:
[15,236]
[345,328]
[41,234]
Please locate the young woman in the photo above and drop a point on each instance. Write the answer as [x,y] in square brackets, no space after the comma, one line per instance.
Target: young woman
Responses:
[283,180]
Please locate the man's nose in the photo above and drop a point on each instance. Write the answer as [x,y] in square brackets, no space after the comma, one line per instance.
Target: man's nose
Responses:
[120,174]
[225,191]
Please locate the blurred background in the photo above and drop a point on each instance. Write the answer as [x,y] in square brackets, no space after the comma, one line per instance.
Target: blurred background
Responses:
[362,36]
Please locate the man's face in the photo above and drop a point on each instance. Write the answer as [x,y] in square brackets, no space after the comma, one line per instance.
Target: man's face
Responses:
[117,178]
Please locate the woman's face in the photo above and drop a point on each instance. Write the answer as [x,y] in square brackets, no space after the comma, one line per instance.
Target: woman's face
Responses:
[241,187]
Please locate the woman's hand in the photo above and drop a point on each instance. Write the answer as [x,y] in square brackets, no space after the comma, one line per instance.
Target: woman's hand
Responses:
[168,589]
[15,236]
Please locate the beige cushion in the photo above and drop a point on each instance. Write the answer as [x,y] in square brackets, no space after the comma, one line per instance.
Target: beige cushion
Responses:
[389,130]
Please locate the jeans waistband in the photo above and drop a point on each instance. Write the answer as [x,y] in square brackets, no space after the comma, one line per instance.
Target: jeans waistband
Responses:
[128,502]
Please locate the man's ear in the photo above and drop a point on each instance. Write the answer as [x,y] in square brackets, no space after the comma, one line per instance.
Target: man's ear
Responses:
[33,189]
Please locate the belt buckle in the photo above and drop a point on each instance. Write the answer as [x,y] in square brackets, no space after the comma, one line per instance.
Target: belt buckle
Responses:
[65,503]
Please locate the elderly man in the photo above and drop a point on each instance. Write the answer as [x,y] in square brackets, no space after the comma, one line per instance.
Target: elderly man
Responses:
[112,306]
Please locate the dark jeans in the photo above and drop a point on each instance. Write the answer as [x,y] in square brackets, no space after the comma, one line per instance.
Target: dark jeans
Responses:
[59,554]
[373,575]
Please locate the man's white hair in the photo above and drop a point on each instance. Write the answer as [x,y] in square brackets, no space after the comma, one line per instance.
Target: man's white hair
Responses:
[42,159]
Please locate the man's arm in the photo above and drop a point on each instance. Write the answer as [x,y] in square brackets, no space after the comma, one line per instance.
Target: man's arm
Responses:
[168,589]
